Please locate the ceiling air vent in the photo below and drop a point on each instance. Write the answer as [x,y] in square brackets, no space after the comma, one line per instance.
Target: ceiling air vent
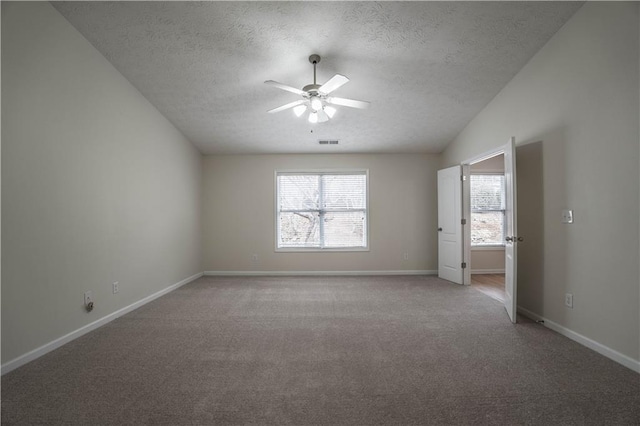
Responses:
[328,142]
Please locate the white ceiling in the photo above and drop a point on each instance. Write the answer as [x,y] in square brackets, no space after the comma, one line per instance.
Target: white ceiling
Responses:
[427,67]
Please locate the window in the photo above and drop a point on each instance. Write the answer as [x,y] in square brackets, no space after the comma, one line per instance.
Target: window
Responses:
[487,210]
[321,210]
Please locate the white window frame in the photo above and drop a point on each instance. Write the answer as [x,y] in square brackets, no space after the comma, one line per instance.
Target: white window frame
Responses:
[488,246]
[316,172]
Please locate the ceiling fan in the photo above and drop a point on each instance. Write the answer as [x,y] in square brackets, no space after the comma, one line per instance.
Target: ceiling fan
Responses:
[315,97]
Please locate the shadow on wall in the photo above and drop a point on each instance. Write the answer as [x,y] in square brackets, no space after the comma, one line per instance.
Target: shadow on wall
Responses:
[530,227]
[542,194]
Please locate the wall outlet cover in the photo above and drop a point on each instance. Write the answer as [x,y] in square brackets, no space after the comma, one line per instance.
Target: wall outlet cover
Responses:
[568,300]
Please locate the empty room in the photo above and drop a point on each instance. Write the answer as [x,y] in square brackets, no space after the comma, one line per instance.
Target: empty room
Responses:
[320,213]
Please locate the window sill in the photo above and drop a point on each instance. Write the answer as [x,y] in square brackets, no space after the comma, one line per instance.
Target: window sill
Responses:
[319,250]
[487,248]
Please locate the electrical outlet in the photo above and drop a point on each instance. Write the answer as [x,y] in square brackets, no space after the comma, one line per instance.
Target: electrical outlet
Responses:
[116,287]
[255,259]
[405,255]
[568,300]
[88,301]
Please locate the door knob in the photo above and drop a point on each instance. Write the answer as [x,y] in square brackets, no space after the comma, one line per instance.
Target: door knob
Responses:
[520,239]
[509,239]
[439,229]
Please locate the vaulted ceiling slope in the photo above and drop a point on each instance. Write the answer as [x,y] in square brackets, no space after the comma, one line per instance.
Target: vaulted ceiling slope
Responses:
[427,67]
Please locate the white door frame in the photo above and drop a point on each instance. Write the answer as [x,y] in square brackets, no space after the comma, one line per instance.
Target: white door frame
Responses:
[466,230]
[466,206]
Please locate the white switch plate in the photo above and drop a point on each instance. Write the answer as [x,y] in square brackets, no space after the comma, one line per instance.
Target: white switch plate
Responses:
[567,216]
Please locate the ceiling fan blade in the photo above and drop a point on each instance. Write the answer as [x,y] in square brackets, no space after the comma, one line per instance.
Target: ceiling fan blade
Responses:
[348,102]
[287,106]
[333,83]
[285,87]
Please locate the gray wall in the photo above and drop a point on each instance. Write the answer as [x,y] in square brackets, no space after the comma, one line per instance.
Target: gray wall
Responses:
[239,213]
[97,186]
[574,111]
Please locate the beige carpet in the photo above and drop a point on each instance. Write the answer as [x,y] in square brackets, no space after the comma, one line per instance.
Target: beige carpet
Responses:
[321,350]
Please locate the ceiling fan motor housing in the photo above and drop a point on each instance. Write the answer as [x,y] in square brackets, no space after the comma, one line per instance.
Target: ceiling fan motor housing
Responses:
[312,89]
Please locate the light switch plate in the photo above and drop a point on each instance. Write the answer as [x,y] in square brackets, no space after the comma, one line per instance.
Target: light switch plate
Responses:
[567,216]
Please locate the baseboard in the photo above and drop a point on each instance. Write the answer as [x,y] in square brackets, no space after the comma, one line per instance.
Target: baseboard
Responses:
[38,352]
[585,341]
[487,271]
[310,273]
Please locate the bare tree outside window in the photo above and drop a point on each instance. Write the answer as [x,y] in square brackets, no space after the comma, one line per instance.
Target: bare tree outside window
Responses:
[322,210]
[487,209]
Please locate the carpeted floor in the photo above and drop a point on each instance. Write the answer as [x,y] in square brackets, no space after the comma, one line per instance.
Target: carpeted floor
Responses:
[321,350]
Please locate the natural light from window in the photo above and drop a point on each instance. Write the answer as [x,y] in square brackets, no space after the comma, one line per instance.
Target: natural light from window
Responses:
[321,210]
[487,210]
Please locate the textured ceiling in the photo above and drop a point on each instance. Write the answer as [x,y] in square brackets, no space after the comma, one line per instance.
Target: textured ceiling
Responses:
[426,67]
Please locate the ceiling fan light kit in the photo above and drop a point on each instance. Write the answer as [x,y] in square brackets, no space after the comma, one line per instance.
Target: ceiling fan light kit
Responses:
[315,97]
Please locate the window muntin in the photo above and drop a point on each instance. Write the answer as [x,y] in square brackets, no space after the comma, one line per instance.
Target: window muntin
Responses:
[487,210]
[321,210]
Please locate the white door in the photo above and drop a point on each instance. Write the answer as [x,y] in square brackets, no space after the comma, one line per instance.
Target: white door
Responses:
[511,231]
[449,224]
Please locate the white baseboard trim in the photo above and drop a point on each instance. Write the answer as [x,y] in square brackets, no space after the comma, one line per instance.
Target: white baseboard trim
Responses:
[326,273]
[487,271]
[585,341]
[48,347]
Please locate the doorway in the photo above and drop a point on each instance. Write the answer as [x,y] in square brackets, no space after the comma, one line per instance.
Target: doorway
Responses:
[452,248]
[487,226]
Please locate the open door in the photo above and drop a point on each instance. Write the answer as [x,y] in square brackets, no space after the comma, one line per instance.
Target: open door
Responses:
[511,230]
[450,224]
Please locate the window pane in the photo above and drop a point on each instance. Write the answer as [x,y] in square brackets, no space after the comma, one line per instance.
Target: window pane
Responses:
[299,229]
[298,192]
[344,191]
[487,192]
[345,229]
[487,228]
[322,210]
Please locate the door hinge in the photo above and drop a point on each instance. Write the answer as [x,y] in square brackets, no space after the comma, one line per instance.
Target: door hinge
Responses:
[464,265]
[463,221]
